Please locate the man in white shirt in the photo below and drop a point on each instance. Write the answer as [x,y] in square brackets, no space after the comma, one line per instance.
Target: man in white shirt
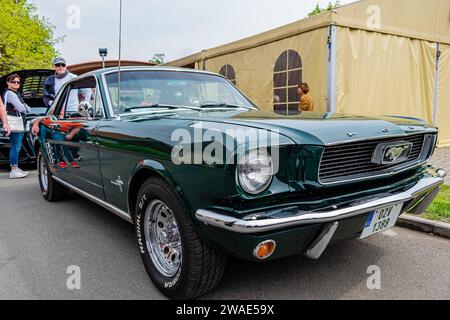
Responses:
[54,83]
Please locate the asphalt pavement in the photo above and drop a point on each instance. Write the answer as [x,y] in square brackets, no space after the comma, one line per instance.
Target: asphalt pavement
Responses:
[39,241]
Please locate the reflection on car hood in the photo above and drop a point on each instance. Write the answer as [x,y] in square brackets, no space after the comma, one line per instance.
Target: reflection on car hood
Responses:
[308,127]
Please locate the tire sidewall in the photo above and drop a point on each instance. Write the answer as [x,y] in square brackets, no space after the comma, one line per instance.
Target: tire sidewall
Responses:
[170,286]
[41,158]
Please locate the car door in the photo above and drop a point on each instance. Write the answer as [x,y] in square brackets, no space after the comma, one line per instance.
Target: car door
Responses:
[73,136]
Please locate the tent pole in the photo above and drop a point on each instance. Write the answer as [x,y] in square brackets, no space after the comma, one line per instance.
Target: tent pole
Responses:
[331,69]
[436,84]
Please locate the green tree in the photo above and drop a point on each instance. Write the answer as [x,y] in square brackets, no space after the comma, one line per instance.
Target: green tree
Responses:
[318,10]
[158,58]
[26,40]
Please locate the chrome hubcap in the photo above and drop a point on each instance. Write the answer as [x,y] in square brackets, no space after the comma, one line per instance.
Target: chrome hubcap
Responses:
[163,238]
[43,174]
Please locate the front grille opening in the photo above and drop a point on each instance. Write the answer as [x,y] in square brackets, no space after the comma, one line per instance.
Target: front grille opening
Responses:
[354,160]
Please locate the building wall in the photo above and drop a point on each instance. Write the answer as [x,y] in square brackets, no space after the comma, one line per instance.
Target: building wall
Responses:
[254,67]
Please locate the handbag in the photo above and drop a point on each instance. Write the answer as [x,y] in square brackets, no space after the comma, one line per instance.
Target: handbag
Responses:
[15,122]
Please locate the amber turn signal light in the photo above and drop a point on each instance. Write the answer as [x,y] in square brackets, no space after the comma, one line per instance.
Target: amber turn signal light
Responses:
[265,249]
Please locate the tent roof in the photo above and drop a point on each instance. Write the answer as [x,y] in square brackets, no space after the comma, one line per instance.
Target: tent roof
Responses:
[424,20]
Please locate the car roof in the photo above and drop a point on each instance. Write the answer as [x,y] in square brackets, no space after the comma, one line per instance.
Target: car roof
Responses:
[100,72]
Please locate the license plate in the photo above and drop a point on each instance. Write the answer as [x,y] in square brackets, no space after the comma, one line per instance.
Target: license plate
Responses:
[381,219]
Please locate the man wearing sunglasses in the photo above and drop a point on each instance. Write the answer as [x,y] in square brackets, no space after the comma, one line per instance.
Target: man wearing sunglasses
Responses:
[54,83]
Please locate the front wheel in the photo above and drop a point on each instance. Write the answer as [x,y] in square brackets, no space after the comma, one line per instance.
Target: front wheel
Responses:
[51,190]
[180,265]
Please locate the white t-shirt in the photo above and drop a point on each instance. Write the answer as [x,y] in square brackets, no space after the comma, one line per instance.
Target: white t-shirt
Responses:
[60,82]
[73,101]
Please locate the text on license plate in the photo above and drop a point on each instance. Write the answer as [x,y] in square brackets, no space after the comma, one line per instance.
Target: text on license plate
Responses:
[381,219]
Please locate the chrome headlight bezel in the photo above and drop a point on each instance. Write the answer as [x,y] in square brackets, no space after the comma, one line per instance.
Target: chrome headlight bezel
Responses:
[253,162]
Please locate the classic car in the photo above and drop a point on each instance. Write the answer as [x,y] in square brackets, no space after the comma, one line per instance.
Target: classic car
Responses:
[204,174]
[32,90]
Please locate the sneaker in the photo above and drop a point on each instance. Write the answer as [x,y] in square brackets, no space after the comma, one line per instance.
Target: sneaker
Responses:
[62,165]
[75,165]
[16,174]
[24,172]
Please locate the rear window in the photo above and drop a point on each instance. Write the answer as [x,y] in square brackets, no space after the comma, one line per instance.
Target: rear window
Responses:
[33,87]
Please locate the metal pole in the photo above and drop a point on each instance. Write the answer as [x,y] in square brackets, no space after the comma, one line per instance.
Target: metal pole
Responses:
[120,52]
[331,69]
[436,84]
[103,62]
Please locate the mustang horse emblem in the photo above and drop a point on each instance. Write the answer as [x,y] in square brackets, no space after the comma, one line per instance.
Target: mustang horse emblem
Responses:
[394,153]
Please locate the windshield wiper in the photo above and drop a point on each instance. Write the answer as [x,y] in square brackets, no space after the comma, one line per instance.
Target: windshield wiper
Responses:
[158,105]
[221,105]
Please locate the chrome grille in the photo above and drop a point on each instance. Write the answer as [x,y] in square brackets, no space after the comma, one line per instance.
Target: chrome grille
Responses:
[354,160]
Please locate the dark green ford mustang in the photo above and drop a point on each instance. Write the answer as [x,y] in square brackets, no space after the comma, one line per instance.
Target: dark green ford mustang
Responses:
[203,173]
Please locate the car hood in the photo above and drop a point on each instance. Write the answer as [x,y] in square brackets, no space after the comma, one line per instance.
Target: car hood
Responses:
[307,127]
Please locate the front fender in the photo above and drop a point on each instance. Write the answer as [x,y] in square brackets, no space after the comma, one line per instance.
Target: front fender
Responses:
[148,168]
[151,168]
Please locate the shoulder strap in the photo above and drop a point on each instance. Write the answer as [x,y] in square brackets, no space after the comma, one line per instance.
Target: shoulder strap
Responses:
[6,104]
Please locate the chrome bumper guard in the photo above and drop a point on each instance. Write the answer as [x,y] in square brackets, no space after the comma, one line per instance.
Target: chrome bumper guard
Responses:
[423,190]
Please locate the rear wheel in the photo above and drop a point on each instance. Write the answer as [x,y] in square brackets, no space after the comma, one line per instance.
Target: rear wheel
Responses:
[51,190]
[180,265]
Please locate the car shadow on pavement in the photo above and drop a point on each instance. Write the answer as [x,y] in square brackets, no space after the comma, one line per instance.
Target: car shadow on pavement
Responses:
[299,278]
[78,232]
[290,278]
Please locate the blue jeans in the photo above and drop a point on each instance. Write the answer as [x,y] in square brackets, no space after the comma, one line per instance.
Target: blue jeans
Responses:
[15,139]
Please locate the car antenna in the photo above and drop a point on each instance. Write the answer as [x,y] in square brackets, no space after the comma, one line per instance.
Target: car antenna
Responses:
[120,55]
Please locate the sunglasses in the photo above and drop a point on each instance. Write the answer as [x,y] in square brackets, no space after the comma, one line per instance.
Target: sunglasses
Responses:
[60,65]
[15,82]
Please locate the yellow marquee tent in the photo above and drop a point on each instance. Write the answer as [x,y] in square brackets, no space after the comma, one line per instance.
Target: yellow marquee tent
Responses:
[370,57]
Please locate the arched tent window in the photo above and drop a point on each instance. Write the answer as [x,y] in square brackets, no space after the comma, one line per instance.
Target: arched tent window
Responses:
[287,75]
[228,72]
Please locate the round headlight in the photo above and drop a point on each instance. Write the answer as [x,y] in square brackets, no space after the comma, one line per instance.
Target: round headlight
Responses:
[255,171]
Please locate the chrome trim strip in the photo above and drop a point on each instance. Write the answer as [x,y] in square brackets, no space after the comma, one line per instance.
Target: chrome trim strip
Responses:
[107,206]
[251,225]
[108,98]
[406,135]
[319,245]
[157,68]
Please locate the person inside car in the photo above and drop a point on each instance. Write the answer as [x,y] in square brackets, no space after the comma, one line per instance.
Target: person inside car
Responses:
[15,106]
[54,83]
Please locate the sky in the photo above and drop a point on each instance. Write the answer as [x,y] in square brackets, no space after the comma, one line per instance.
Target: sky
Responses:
[176,28]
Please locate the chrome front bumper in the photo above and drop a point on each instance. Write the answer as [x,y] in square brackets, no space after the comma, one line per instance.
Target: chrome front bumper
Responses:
[423,191]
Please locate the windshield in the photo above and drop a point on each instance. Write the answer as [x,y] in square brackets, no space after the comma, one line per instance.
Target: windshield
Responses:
[146,90]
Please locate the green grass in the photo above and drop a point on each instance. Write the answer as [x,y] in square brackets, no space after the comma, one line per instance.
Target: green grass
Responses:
[440,208]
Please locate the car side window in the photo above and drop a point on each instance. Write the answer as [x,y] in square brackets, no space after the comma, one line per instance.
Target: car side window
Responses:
[58,108]
[81,101]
